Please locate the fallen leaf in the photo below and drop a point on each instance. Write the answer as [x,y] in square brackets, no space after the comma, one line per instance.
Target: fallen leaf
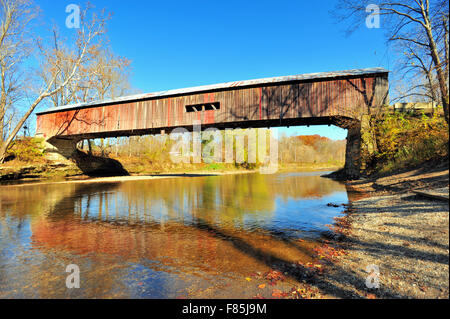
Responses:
[262,286]
[277,293]
[248,278]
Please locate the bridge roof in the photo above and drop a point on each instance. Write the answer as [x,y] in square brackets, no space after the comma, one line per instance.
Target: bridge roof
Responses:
[221,86]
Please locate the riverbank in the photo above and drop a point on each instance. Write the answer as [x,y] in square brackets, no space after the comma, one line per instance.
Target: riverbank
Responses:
[402,233]
[66,171]
[38,170]
[119,179]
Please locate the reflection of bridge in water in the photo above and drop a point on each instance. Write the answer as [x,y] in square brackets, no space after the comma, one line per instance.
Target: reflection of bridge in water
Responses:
[199,223]
[340,98]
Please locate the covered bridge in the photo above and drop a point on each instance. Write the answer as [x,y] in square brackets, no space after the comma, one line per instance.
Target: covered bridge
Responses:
[341,98]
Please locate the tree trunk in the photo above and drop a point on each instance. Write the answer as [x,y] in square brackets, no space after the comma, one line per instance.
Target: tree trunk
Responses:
[129,146]
[2,123]
[102,147]
[89,146]
[3,149]
[437,63]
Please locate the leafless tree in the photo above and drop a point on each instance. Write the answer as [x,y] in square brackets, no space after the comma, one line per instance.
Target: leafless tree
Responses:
[419,28]
[58,65]
[102,75]
[108,76]
[16,17]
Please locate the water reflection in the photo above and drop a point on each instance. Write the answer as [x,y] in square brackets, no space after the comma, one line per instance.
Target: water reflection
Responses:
[159,238]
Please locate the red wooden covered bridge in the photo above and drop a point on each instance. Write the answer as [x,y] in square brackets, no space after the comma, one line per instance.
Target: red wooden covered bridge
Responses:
[337,98]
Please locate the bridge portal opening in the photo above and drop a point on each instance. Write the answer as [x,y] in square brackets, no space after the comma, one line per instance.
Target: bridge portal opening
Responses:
[312,145]
[305,145]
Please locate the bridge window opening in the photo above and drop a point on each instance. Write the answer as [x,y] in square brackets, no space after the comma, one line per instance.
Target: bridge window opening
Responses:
[203,107]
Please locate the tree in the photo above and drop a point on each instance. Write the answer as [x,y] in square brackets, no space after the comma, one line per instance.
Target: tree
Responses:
[108,78]
[103,75]
[14,49]
[419,28]
[59,65]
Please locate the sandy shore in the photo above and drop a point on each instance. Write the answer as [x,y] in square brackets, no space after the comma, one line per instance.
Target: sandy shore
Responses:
[120,179]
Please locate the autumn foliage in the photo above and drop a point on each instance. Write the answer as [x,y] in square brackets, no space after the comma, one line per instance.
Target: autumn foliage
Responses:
[312,140]
[311,149]
[406,140]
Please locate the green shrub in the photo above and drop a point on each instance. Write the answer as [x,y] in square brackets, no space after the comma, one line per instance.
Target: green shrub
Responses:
[405,140]
[215,166]
[26,149]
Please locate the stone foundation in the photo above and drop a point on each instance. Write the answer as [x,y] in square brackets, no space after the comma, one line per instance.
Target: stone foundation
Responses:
[352,168]
[60,150]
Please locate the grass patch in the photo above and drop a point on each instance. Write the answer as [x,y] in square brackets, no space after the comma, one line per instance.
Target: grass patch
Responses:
[26,149]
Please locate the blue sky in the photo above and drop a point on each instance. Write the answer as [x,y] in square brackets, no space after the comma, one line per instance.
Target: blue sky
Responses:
[176,44]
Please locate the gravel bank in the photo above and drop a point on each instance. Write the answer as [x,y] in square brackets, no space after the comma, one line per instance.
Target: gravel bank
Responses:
[407,237]
[404,234]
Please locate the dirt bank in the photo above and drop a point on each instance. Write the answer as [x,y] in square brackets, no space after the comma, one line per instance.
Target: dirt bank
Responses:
[404,234]
[120,179]
[67,171]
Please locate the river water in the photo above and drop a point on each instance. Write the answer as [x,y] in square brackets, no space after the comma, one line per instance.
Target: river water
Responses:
[185,237]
